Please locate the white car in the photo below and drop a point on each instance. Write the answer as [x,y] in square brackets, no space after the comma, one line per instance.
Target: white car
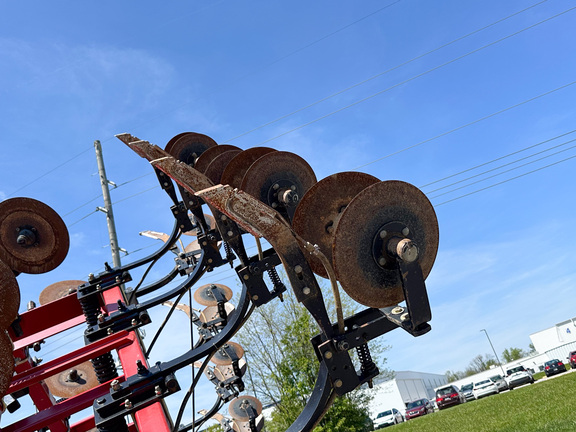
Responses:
[485,388]
[388,418]
[518,376]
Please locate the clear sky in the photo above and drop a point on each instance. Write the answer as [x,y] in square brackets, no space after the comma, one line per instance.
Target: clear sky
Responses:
[471,101]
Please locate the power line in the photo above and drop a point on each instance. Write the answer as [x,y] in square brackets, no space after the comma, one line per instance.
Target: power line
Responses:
[413,78]
[385,72]
[505,181]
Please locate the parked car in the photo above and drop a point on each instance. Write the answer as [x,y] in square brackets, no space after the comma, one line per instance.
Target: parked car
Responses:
[553,367]
[388,418]
[467,391]
[500,382]
[418,408]
[518,376]
[485,388]
[448,396]
[572,359]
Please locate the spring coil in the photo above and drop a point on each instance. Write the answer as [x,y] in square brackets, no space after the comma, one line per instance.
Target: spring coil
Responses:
[230,257]
[91,309]
[105,368]
[367,365]
[276,281]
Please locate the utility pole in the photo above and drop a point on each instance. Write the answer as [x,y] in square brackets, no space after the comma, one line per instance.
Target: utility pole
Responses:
[107,205]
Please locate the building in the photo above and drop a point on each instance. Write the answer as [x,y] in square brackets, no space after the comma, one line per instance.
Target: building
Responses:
[405,387]
[556,342]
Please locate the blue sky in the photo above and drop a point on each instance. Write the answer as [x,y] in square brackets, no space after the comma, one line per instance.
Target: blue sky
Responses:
[411,90]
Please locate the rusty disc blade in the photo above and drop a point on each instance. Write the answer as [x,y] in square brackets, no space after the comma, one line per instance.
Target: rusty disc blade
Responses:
[218,165]
[204,295]
[172,140]
[226,372]
[240,426]
[237,167]
[212,153]
[355,262]
[6,362]
[9,296]
[33,238]
[189,146]
[210,313]
[73,381]
[237,407]
[58,290]
[209,220]
[221,359]
[319,211]
[277,174]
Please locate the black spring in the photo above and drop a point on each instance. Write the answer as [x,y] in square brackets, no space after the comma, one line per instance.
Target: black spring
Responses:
[91,309]
[367,365]
[230,257]
[105,368]
[276,281]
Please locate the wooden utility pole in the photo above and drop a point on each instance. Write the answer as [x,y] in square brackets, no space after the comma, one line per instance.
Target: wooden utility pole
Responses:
[107,205]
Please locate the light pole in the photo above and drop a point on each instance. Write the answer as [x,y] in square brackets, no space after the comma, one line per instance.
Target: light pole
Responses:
[493,350]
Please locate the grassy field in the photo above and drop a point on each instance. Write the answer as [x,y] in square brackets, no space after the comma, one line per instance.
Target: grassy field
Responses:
[549,405]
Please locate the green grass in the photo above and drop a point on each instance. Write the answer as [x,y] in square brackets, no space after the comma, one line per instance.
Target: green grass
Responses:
[547,406]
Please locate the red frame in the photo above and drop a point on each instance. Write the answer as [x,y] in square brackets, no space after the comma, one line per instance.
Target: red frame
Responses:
[50,319]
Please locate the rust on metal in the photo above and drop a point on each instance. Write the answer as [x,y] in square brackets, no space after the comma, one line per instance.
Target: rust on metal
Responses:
[33,237]
[362,274]
[275,173]
[73,381]
[319,211]
[9,296]
[236,169]
[203,295]
[210,154]
[218,165]
[220,358]
[58,290]
[238,407]
[189,178]
[211,313]
[189,146]
[6,362]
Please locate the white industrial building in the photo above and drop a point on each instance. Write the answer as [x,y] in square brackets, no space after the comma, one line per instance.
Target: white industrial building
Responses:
[405,387]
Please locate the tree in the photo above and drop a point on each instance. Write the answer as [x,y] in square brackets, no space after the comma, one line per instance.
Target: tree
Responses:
[282,368]
[511,354]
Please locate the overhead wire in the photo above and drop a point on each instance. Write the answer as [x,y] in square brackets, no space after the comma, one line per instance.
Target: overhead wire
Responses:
[414,78]
[398,66]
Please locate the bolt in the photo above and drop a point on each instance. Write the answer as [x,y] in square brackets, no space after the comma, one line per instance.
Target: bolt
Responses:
[101,318]
[158,390]
[276,186]
[255,297]
[98,287]
[338,383]
[298,269]
[223,217]
[134,322]
[382,261]
[383,234]
[343,345]
[293,187]
[230,233]
[306,290]
[328,355]
[405,317]
[31,305]
[101,401]
[274,205]
[110,331]
[118,280]
[91,277]
[405,231]
[210,260]
[115,385]
[397,310]
[127,404]
[246,277]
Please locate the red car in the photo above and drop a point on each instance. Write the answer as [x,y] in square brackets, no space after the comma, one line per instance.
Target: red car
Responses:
[572,359]
[418,408]
[449,395]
